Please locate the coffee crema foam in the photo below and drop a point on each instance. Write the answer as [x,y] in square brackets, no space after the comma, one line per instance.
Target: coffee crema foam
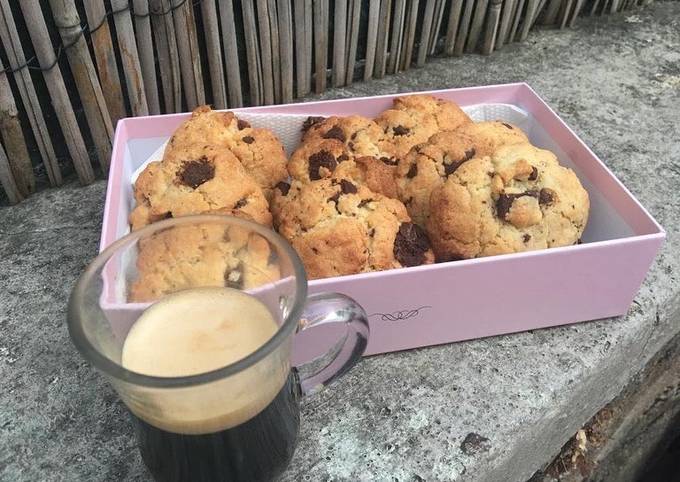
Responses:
[197,331]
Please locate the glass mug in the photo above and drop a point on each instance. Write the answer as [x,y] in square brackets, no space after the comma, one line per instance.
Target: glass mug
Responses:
[237,421]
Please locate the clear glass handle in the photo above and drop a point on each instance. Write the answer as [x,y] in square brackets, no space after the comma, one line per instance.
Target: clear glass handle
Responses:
[325,308]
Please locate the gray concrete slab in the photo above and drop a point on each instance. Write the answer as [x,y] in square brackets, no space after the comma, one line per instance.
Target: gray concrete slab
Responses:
[403,416]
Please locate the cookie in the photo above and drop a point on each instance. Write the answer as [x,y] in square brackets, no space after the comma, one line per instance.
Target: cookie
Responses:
[490,135]
[519,199]
[330,158]
[260,152]
[205,255]
[195,180]
[446,114]
[340,228]
[426,166]
[359,134]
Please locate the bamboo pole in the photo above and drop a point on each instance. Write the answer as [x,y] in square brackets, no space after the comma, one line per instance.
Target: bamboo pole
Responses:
[464,27]
[19,162]
[300,50]
[15,53]
[214,52]
[383,32]
[428,20]
[371,37]
[409,35]
[267,52]
[452,27]
[320,43]
[85,77]
[44,52]
[515,23]
[528,17]
[504,27]
[439,16]
[339,52]
[130,58]
[252,55]
[231,53]
[551,12]
[577,11]
[476,25]
[146,57]
[7,179]
[355,19]
[396,36]
[276,48]
[492,21]
[189,55]
[566,12]
[168,58]
[104,55]
[286,50]
[309,35]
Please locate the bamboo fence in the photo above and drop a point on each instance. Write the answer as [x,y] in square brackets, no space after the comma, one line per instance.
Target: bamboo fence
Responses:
[70,69]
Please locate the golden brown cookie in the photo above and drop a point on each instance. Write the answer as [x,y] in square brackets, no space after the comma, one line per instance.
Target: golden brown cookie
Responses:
[195,180]
[205,255]
[519,199]
[339,228]
[446,113]
[359,134]
[489,136]
[260,152]
[426,166]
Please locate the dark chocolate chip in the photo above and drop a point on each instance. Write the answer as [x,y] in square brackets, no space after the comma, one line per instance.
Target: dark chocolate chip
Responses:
[451,168]
[342,157]
[507,125]
[410,244]
[350,145]
[314,250]
[534,174]
[334,198]
[546,196]
[400,130]
[526,238]
[248,139]
[579,241]
[412,171]
[354,136]
[470,153]
[335,132]
[241,124]
[317,161]
[504,202]
[364,202]
[195,173]
[240,203]
[371,233]
[390,161]
[284,187]
[311,121]
[233,278]
[347,187]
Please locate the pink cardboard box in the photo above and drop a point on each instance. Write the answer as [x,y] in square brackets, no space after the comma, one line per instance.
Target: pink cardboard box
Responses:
[459,300]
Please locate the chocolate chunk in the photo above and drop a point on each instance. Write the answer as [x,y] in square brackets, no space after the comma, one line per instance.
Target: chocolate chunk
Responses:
[342,157]
[350,145]
[240,203]
[335,132]
[507,125]
[579,241]
[534,174]
[400,130]
[371,233]
[284,187]
[469,154]
[241,124]
[354,136]
[233,278]
[504,202]
[364,202]
[412,171]
[410,244]
[390,161]
[526,238]
[311,121]
[347,187]
[451,168]
[546,196]
[317,161]
[195,173]
[334,198]
[248,139]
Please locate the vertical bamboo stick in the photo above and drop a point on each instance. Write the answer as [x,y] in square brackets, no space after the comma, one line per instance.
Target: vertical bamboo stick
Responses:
[286,49]
[252,56]
[537,12]
[7,179]
[492,21]
[528,17]
[189,55]
[19,163]
[577,11]
[354,19]
[130,58]
[339,53]
[168,58]
[396,36]
[439,16]
[29,98]
[300,51]
[266,52]
[566,13]
[428,20]
[106,59]
[409,35]
[551,12]
[231,53]
[309,36]
[320,43]
[464,27]
[276,48]
[85,77]
[452,27]
[515,23]
[476,25]
[214,52]
[504,27]
[593,9]
[383,32]
[44,52]
[371,37]
[146,57]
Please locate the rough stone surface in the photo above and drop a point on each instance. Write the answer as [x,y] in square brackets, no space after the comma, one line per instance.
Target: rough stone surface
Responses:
[403,416]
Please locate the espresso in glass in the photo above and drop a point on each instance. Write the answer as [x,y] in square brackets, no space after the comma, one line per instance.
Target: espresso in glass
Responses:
[205,369]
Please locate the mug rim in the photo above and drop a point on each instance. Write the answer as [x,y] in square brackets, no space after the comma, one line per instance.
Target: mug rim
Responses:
[76,317]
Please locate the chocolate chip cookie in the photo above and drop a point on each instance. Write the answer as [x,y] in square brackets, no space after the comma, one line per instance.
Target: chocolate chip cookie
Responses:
[360,135]
[339,227]
[519,199]
[490,135]
[200,256]
[260,152]
[194,180]
[426,166]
